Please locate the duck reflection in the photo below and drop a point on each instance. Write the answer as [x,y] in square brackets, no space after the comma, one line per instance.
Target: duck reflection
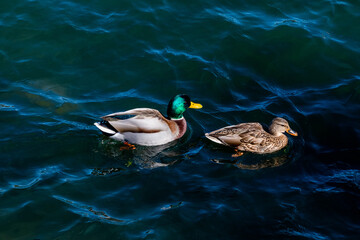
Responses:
[256,162]
[156,156]
[141,157]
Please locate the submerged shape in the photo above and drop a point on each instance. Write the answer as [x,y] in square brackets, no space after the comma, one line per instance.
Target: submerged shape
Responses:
[251,137]
[148,127]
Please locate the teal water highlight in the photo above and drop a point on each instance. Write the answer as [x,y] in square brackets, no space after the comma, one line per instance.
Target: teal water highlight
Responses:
[66,63]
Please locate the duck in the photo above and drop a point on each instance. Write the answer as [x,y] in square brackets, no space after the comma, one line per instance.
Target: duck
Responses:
[147,126]
[251,137]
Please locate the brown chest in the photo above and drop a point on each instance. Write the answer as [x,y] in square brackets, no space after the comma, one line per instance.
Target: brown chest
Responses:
[178,127]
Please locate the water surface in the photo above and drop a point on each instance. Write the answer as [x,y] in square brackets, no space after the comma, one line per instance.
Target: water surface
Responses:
[66,63]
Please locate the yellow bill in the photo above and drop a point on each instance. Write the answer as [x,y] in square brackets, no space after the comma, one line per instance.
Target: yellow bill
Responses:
[195,105]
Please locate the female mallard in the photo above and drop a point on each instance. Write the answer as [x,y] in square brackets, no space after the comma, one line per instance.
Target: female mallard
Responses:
[148,127]
[251,137]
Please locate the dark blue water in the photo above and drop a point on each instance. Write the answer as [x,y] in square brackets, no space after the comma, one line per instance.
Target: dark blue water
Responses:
[63,64]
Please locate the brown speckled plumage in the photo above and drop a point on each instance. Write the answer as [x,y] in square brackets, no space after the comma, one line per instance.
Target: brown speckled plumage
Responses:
[251,137]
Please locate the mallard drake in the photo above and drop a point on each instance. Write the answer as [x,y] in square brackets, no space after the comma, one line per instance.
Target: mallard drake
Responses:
[251,137]
[147,126]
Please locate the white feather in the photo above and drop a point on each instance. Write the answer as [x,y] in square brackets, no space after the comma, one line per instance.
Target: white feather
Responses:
[213,138]
[149,139]
[104,129]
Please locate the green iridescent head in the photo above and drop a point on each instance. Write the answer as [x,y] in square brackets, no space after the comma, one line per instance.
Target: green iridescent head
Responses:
[178,105]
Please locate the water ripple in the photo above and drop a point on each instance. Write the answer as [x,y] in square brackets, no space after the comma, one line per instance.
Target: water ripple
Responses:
[339,181]
[168,53]
[305,233]
[91,212]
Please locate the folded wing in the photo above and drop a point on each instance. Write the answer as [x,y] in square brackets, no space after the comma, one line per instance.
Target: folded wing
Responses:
[141,120]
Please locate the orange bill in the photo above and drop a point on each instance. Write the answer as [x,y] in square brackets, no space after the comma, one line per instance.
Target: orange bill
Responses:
[291,132]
